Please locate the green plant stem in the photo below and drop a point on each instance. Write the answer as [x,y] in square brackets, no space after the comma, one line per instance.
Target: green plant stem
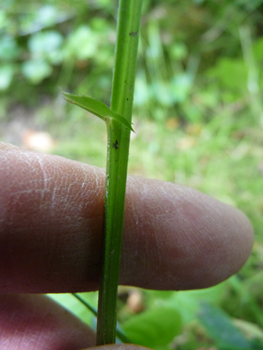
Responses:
[119,334]
[129,16]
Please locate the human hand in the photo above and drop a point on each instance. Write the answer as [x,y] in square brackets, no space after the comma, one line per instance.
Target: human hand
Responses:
[51,213]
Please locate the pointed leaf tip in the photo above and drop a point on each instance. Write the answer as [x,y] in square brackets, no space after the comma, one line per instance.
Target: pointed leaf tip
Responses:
[97,108]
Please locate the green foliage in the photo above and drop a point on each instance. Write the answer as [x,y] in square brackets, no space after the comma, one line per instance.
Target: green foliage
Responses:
[222,330]
[55,42]
[198,116]
[154,328]
[97,108]
[73,305]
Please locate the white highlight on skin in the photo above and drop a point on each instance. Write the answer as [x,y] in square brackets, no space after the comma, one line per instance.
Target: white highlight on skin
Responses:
[174,237]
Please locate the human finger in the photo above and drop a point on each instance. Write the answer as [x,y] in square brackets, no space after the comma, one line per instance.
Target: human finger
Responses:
[51,215]
[30,322]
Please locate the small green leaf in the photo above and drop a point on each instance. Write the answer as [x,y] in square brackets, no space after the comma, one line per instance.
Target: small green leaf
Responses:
[153,328]
[97,108]
[222,330]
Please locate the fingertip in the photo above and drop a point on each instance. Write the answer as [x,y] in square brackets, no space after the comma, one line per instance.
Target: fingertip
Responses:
[185,239]
[51,214]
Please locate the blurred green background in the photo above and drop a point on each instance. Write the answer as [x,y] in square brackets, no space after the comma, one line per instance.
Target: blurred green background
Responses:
[198,118]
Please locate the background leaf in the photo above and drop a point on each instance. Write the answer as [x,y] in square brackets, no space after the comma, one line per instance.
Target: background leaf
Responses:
[153,328]
[36,70]
[222,330]
[6,74]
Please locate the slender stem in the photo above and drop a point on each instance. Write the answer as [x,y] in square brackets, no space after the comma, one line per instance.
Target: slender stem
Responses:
[119,334]
[129,16]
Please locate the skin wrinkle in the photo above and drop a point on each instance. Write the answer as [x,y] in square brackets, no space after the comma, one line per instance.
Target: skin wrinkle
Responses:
[169,242]
[43,174]
[71,226]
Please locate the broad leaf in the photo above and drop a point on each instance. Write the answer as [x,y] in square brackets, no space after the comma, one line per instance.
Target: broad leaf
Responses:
[222,330]
[97,108]
[154,328]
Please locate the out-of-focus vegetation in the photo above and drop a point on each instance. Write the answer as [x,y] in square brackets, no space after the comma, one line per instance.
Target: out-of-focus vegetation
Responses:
[198,117]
